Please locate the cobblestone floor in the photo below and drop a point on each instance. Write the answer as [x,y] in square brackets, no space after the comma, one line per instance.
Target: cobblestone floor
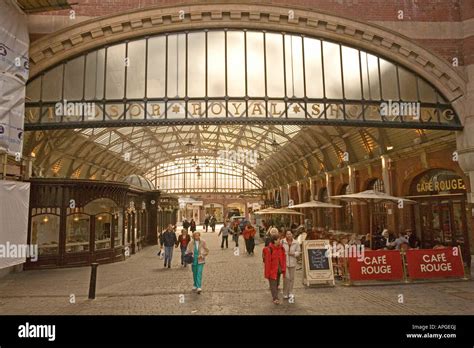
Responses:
[232,285]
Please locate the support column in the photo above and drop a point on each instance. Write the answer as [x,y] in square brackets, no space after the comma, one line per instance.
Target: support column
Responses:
[394,215]
[465,157]
[330,188]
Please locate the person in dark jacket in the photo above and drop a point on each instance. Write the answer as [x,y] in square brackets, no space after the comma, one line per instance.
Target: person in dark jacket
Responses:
[275,264]
[235,230]
[206,222]
[169,241]
[186,224]
[212,223]
[413,241]
[192,225]
[182,242]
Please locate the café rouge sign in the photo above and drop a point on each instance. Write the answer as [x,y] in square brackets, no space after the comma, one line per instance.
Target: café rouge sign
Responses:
[433,185]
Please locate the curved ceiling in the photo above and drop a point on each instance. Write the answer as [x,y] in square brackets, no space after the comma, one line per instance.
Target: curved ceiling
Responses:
[287,152]
[300,152]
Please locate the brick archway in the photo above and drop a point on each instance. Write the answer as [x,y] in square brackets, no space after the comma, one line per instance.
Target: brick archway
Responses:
[95,33]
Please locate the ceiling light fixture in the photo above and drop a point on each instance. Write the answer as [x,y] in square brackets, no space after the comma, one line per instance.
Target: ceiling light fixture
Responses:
[275,145]
[189,145]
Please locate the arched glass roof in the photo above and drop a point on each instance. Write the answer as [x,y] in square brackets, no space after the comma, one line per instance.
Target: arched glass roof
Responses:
[231,76]
[134,107]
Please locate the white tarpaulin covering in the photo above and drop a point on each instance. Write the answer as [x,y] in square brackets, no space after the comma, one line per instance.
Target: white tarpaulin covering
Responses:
[14,204]
[14,69]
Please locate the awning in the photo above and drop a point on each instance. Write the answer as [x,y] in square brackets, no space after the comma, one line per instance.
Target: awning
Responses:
[316,204]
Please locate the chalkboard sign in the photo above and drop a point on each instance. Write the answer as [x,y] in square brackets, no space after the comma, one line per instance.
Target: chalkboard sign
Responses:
[317,267]
[317,259]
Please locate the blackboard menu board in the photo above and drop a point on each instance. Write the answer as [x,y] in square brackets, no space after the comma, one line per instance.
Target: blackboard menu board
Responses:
[317,259]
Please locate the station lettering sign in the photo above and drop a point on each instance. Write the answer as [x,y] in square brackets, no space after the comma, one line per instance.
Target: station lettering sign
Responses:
[181,109]
[376,265]
[434,263]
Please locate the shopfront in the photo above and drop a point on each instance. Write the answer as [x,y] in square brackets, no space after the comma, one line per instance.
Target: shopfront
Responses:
[76,222]
[440,218]
[167,213]
[216,210]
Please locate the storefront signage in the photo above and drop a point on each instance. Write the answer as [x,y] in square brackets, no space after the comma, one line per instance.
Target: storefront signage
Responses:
[443,185]
[317,263]
[376,265]
[436,181]
[434,263]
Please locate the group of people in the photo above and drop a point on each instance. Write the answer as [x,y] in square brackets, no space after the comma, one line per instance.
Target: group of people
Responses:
[236,229]
[280,257]
[210,221]
[391,241]
[280,253]
[193,251]
[189,225]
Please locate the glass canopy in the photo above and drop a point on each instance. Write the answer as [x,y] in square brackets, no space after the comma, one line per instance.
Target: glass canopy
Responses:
[224,76]
[164,106]
[205,174]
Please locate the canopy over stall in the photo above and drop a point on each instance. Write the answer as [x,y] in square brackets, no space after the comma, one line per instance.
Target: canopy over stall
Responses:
[316,204]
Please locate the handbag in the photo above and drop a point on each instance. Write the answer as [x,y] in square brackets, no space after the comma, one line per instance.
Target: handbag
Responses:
[188,258]
[161,254]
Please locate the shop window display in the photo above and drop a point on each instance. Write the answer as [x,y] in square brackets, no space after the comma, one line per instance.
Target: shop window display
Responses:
[103,210]
[45,231]
[77,232]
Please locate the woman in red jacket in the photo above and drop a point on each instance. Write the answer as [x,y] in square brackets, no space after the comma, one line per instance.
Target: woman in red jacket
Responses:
[275,265]
[249,235]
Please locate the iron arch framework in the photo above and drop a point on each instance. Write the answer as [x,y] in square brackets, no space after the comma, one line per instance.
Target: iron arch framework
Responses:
[233,76]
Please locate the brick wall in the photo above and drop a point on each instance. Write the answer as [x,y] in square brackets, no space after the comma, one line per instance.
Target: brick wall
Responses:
[366,10]
[378,11]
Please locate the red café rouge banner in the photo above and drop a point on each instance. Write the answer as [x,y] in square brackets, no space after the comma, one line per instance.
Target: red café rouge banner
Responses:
[434,263]
[376,265]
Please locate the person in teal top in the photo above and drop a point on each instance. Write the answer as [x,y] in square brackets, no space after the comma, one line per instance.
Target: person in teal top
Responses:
[198,248]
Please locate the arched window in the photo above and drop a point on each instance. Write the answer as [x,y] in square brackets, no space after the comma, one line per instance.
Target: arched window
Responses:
[77,232]
[376,185]
[205,174]
[327,214]
[45,230]
[106,214]
[379,209]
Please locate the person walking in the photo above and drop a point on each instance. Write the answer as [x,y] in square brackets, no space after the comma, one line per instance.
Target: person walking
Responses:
[169,241]
[249,237]
[186,224]
[197,247]
[225,231]
[275,264]
[183,241]
[235,233]
[292,252]
[212,223]
[271,232]
[192,226]
[206,222]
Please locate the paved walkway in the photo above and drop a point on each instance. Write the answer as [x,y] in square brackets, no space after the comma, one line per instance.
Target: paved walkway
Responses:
[232,285]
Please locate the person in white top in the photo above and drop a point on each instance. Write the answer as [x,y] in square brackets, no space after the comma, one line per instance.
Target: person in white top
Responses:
[198,248]
[292,251]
